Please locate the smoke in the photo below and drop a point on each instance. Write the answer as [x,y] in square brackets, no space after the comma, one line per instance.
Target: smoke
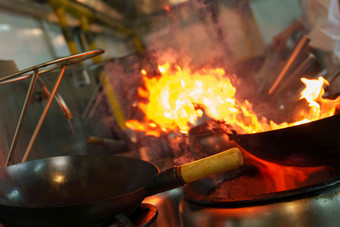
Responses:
[191,38]
[196,34]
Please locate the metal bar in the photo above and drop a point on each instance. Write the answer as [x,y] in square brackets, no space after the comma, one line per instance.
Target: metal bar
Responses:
[108,88]
[64,61]
[58,98]
[299,47]
[16,79]
[334,75]
[307,62]
[22,115]
[43,115]
[76,8]
[113,101]
[91,101]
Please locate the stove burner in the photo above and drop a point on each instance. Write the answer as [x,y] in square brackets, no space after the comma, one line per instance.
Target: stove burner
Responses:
[145,215]
[251,184]
[247,198]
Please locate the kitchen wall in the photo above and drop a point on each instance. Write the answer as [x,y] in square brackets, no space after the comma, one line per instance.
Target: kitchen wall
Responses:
[273,16]
[23,39]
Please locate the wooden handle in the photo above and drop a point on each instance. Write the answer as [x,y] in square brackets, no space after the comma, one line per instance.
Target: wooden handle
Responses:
[218,163]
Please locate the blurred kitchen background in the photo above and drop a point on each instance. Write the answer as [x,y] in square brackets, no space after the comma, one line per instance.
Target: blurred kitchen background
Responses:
[135,34]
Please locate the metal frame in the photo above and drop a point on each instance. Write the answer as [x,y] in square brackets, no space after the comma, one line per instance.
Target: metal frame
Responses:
[60,63]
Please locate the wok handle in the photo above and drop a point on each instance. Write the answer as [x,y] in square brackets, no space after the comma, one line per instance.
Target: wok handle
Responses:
[177,176]
[218,163]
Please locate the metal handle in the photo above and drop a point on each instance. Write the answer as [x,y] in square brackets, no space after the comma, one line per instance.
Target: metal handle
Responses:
[22,116]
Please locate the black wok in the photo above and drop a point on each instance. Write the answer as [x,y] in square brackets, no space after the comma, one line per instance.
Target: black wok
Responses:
[91,189]
[312,144]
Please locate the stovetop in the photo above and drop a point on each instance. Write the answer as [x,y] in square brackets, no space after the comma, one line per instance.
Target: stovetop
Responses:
[144,216]
[254,183]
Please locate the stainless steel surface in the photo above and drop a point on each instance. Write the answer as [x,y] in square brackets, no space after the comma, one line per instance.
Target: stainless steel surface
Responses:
[321,210]
[46,67]
[42,117]
[167,204]
[22,115]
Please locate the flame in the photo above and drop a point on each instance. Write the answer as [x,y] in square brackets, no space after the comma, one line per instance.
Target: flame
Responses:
[143,72]
[167,8]
[281,178]
[181,98]
[319,107]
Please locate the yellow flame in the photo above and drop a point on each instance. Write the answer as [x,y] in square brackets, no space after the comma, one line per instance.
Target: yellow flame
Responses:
[178,98]
[143,72]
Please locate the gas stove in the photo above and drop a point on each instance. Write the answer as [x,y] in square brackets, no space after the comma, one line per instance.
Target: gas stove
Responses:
[144,216]
[271,195]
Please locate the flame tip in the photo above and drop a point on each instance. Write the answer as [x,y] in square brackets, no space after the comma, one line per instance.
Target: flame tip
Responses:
[177,98]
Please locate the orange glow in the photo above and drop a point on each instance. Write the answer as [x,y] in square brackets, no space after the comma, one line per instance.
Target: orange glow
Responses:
[280,177]
[163,68]
[143,72]
[319,107]
[167,8]
[179,98]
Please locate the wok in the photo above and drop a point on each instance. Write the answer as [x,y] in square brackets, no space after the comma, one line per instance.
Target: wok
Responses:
[92,189]
[312,144]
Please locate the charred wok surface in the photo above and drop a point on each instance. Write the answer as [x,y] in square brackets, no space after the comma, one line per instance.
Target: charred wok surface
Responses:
[261,182]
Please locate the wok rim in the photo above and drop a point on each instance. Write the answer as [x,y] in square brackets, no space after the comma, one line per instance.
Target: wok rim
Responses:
[286,128]
[85,203]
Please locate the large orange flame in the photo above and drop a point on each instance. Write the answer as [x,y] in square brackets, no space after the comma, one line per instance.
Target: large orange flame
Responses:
[179,98]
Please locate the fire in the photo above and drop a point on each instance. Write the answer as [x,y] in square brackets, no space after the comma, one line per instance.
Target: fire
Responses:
[180,98]
[319,107]
[167,8]
[143,71]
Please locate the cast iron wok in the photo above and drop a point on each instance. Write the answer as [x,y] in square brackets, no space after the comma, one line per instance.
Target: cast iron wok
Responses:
[312,144]
[91,189]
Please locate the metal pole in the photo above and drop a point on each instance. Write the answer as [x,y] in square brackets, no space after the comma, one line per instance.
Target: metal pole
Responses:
[42,117]
[299,47]
[22,115]
[307,62]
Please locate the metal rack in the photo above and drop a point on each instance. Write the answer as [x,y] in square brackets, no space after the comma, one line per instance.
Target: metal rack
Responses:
[34,72]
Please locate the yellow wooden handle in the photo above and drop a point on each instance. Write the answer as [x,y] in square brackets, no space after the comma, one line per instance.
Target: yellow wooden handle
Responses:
[218,163]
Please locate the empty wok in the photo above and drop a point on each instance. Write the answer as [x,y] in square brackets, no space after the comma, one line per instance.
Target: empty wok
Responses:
[312,144]
[92,189]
